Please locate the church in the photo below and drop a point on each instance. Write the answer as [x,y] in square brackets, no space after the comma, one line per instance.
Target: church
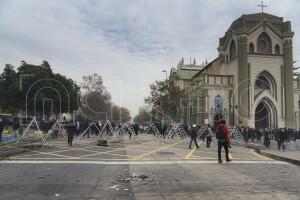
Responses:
[251,83]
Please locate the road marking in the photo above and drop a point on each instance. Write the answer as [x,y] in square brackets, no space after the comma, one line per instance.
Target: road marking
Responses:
[189,155]
[135,162]
[107,152]
[256,154]
[43,153]
[156,150]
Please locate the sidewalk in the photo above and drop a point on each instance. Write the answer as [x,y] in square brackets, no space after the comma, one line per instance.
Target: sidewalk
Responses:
[287,156]
[272,152]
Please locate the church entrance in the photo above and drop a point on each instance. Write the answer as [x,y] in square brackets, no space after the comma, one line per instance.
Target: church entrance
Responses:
[265,115]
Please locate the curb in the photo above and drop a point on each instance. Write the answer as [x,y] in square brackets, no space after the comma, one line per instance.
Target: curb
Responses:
[278,157]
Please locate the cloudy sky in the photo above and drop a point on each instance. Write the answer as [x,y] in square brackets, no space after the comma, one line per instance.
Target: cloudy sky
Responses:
[127,42]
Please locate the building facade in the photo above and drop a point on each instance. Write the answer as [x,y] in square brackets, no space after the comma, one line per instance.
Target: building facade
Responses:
[252,82]
[181,77]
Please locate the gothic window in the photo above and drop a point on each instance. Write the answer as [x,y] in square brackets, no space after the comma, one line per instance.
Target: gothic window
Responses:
[232,50]
[277,49]
[265,82]
[264,44]
[251,48]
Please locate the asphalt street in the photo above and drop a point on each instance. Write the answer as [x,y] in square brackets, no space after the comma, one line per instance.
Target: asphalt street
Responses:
[145,167]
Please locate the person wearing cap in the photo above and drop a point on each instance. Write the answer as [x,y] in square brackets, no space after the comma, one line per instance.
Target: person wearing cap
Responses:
[194,136]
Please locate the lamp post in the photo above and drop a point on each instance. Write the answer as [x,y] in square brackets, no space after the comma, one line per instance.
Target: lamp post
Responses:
[21,88]
[190,90]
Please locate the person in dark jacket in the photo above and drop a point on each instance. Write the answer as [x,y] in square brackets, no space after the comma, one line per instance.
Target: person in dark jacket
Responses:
[15,127]
[71,129]
[194,136]
[267,141]
[222,135]
[282,137]
[1,129]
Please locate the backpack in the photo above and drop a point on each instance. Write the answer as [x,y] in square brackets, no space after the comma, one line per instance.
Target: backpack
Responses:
[220,134]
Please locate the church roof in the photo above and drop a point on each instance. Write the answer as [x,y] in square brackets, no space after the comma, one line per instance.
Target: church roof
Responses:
[186,74]
[249,23]
[206,67]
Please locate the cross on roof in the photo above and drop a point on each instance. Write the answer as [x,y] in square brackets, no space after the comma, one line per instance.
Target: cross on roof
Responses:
[262,6]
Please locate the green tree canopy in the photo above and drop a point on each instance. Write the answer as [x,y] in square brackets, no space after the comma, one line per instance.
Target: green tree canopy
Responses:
[165,97]
[37,87]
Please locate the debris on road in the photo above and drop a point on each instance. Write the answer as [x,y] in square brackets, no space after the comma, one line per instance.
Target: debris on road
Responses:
[114,186]
[141,178]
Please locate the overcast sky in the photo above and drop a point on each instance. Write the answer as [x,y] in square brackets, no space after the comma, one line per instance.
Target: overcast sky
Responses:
[127,42]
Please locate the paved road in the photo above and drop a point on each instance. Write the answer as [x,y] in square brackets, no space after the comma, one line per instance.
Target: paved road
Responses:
[145,168]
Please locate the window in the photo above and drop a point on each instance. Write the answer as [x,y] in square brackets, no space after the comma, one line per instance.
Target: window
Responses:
[264,44]
[251,48]
[277,49]
[232,50]
[218,104]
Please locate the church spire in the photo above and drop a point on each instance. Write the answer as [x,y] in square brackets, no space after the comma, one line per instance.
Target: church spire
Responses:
[206,61]
[181,62]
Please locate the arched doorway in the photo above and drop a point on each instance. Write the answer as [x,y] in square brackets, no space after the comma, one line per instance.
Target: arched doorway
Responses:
[265,114]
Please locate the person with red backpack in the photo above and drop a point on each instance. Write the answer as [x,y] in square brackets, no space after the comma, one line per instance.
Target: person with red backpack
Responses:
[222,134]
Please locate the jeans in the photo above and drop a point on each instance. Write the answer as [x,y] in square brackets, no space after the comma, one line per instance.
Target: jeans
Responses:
[280,143]
[195,141]
[225,145]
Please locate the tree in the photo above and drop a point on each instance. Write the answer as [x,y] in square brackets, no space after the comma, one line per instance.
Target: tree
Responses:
[166,97]
[142,117]
[96,101]
[35,83]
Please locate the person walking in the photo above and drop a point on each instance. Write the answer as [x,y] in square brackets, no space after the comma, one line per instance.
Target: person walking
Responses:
[136,129]
[267,141]
[282,138]
[222,134]
[71,129]
[209,136]
[15,127]
[193,136]
[1,129]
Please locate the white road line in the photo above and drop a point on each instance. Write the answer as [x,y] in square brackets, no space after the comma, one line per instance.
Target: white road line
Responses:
[135,162]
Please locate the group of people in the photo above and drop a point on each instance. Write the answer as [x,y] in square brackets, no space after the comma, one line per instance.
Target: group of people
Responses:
[15,125]
[280,135]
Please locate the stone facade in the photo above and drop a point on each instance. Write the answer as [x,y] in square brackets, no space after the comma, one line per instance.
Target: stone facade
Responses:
[253,76]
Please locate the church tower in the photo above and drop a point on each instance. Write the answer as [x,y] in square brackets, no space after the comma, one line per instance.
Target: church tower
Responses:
[257,50]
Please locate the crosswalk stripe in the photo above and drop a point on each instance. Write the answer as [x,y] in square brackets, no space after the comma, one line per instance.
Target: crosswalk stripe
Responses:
[167,162]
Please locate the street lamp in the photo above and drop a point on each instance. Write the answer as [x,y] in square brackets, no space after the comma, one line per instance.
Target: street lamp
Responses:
[190,90]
